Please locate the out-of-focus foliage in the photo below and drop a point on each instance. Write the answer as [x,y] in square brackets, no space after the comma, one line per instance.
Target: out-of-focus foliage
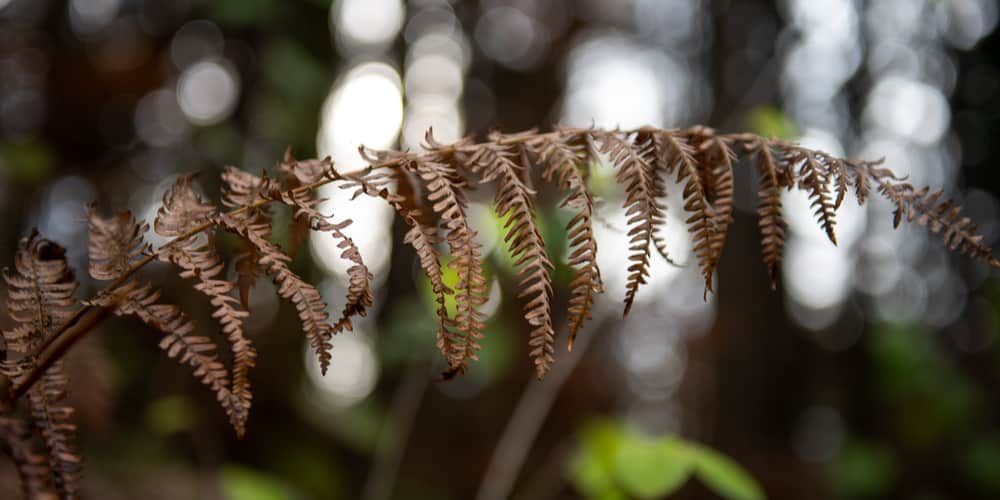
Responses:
[615,460]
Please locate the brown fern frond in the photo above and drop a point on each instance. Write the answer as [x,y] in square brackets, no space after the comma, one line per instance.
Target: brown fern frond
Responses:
[942,216]
[307,300]
[32,468]
[243,190]
[681,156]
[862,178]
[496,163]
[563,158]
[770,219]
[637,173]
[446,192]
[421,237]
[307,171]
[814,177]
[359,294]
[40,298]
[115,244]
[715,158]
[53,421]
[181,211]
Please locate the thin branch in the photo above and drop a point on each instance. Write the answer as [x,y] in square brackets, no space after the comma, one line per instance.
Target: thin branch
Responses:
[526,422]
[396,432]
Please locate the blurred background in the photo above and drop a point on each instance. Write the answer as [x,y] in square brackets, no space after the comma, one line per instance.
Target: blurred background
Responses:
[873,371]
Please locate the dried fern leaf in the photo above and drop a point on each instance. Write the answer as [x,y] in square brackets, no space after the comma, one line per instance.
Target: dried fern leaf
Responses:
[421,237]
[563,158]
[814,178]
[513,200]
[637,174]
[681,156]
[359,293]
[115,244]
[243,190]
[53,420]
[941,216]
[715,159]
[307,300]
[446,192]
[32,468]
[770,219]
[40,299]
[183,210]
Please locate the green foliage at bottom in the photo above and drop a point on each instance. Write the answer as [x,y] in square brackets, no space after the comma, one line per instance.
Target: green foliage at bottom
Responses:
[615,461]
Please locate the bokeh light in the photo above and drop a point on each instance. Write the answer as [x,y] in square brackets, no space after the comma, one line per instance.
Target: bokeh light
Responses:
[207,91]
[365,25]
[352,374]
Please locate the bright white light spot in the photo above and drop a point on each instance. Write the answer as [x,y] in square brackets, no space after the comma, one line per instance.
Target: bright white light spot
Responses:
[352,374]
[371,232]
[614,83]
[829,20]
[88,16]
[366,108]
[427,112]
[910,109]
[361,24]
[207,91]
[816,276]
[452,46]
[968,21]
[510,37]
[434,75]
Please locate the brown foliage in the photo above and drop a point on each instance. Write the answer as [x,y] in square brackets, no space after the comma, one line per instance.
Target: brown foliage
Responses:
[429,191]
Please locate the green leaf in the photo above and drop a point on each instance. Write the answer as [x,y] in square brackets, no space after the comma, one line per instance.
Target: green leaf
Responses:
[770,121]
[652,468]
[723,475]
[591,467]
[241,483]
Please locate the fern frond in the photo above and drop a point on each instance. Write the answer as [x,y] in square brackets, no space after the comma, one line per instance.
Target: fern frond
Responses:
[446,192]
[32,468]
[40,298]
[306,298]
[513,200]
[715,158]
[242,191]
[942,216]
[181,211]
[681,156]
[770,219]
[114,244]
[421,237]
[638,175]
[563,158]
[359,294]
[132,298]
[53,421]
[814,178]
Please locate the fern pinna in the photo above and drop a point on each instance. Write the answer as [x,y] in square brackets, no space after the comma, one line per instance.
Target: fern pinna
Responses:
[429,191]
